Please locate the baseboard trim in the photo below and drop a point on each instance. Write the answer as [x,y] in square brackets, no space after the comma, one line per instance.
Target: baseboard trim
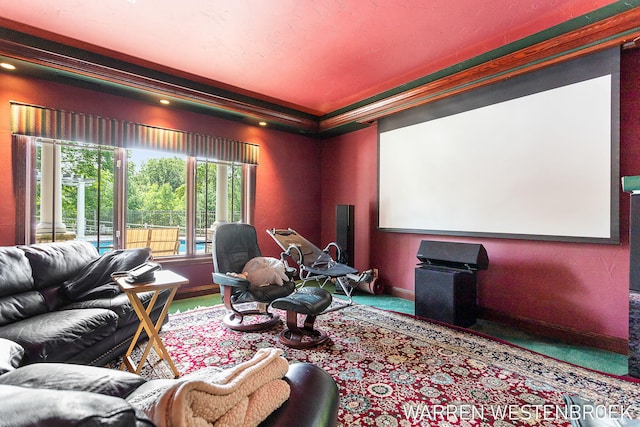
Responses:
[538,327]
[549,330]
[197,291]
[400,293]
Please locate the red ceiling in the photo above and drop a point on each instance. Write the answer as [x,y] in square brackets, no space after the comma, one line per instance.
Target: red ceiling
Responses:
[317,56]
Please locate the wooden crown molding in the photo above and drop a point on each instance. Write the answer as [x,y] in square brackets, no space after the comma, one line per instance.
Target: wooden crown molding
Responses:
[93,70]
[610,32]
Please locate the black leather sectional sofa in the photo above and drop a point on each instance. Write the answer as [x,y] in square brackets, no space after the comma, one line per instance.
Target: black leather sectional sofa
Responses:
[57,300]
[59,304]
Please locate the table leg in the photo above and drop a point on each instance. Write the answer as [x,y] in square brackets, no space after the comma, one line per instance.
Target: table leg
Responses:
[152,331]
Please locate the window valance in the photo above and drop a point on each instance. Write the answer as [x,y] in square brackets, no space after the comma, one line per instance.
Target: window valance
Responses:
[43,122]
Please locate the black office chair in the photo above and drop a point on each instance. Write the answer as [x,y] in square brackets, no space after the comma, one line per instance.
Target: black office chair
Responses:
[234,244]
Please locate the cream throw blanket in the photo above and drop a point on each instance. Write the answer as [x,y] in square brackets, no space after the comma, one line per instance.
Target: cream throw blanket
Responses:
[243,395]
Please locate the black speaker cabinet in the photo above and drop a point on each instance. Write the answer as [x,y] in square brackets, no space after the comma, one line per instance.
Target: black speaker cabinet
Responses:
[345,232]
[446,295]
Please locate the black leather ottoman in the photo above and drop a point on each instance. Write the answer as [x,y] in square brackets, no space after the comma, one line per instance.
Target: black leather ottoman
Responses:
[309,301]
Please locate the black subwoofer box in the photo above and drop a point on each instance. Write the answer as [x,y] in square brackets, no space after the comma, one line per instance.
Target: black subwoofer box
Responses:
[446,295]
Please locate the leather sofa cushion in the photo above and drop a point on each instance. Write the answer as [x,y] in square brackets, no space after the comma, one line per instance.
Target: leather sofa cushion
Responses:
[98,272]
[15,272]
[10,355]
[62,376]
[58,336]
[21,306]
[121,305]
[53,263]
[23,406]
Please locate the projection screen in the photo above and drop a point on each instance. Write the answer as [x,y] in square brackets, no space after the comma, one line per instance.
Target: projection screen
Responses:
[533,157]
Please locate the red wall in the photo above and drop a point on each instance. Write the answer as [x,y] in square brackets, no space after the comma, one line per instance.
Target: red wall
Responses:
[349,165]
[288,175]
[301,180]
[581,287]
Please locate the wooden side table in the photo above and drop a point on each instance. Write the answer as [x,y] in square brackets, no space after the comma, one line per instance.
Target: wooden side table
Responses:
[165,279]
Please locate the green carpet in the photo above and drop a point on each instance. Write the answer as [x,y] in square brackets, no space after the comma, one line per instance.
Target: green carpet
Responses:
[588,357]
[185,304]
[596,359]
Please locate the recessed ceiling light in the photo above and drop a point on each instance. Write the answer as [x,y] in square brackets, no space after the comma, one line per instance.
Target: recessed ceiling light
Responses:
[7,66]
[262,123]
[165,102]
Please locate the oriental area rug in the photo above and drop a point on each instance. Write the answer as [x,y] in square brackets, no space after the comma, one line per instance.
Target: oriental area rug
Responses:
[396,370]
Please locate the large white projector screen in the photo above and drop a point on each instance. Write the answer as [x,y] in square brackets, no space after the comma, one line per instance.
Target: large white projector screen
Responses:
[535,166]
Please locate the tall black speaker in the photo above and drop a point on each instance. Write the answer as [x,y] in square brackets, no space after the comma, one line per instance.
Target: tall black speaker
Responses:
[345,232]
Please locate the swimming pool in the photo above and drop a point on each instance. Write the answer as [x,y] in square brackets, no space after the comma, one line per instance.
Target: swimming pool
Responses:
[106,245]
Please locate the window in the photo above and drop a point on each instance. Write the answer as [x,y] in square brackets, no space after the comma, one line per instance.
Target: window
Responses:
[219,195]
[74,193]
[156,200]
[125,179]
[125,198]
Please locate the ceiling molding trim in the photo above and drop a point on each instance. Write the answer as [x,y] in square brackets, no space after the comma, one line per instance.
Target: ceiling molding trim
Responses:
[610,32]
[93,70]
[550,33]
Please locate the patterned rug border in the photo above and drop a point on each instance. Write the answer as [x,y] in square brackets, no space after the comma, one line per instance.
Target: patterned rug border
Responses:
[502,354]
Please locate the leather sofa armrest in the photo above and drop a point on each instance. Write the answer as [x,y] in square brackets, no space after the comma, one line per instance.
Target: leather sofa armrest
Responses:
[313,400]
[10,355]
[62,376]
